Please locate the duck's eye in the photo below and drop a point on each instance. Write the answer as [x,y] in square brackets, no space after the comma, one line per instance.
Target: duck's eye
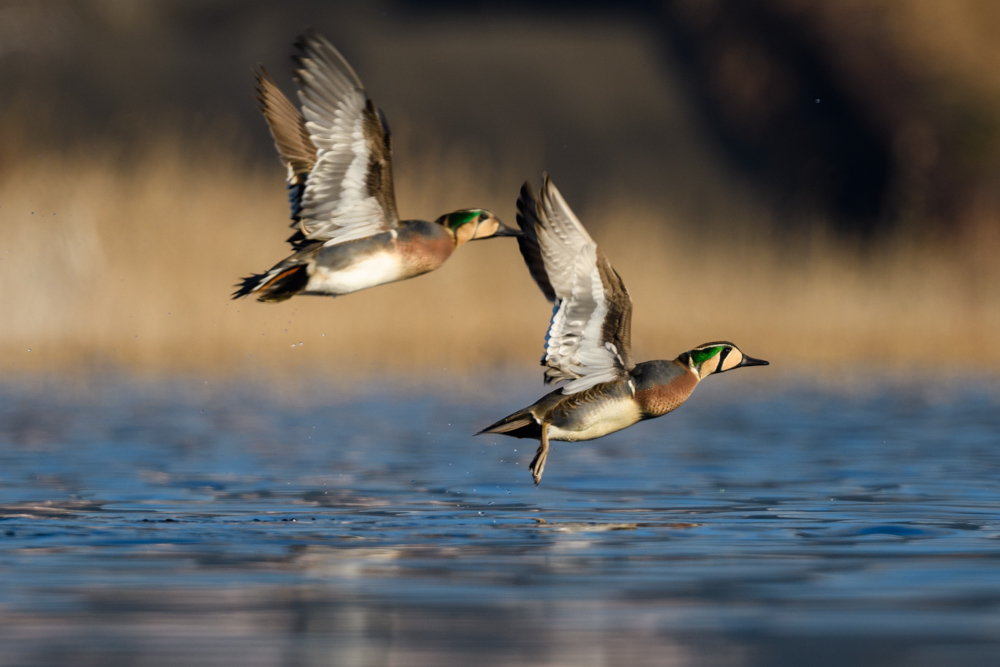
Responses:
[483,216]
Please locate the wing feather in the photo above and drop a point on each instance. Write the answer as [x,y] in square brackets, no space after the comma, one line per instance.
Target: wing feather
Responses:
[528,221]
[288,127]
[291,139]
[349,192]
[589,338]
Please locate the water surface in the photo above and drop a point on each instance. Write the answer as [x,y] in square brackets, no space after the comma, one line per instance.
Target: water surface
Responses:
[780,523]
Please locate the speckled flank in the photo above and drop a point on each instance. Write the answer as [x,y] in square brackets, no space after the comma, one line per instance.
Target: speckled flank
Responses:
[597,418]
[367,271]
[589,414]
[415,248]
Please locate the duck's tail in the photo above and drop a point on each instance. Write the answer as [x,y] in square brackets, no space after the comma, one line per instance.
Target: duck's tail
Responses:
[521,424]
[280,283]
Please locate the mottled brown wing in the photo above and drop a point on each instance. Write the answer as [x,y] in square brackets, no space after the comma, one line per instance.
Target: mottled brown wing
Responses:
[288,127]
[617,327]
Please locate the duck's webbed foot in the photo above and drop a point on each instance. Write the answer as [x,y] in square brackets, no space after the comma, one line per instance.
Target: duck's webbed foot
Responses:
[537,466]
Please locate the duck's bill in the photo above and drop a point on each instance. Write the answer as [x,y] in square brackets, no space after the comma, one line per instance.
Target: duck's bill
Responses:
[504,230]
[750,361]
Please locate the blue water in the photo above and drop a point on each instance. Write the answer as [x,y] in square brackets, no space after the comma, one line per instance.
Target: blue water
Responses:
[767,522]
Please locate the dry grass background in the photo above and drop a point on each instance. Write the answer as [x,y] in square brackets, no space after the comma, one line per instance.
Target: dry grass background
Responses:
[108,262]
[121,252]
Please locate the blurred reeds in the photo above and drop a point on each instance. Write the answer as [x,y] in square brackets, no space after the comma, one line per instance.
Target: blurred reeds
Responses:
[127,262]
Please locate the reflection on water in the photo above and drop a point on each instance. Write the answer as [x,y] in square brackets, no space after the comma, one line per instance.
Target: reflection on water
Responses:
[173,524]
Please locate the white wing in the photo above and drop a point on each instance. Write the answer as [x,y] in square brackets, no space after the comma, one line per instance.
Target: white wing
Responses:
[588,338]
[348,194]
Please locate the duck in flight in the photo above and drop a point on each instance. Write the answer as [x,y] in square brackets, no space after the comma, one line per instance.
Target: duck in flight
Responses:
[348,236]
[588,344]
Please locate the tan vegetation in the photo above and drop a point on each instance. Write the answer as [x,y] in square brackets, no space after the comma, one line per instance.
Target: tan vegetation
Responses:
[121,253]
[114,263]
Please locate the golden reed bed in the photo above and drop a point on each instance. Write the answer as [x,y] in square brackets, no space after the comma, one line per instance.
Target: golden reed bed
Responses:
[128,265]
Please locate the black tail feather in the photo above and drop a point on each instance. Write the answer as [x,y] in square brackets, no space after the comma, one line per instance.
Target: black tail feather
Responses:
[247,285]
[521,424]
[271,287]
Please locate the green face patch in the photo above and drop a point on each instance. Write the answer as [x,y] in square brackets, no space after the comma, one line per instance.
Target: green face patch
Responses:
[459,218]
[698,357]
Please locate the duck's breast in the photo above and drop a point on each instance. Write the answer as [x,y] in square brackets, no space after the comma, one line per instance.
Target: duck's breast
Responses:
[423,246]
[662,386]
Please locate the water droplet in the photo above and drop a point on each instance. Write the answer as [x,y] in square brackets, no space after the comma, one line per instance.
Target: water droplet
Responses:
[300,343]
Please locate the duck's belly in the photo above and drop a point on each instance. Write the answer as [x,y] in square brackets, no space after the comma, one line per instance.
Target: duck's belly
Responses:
[587,422]
[366,271]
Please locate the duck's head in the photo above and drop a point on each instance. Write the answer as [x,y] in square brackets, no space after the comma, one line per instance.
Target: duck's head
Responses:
[472,224]
[716,358]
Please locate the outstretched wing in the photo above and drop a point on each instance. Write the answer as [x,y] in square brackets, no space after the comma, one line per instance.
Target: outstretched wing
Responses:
[589,338]
[291,138]
[348,194]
